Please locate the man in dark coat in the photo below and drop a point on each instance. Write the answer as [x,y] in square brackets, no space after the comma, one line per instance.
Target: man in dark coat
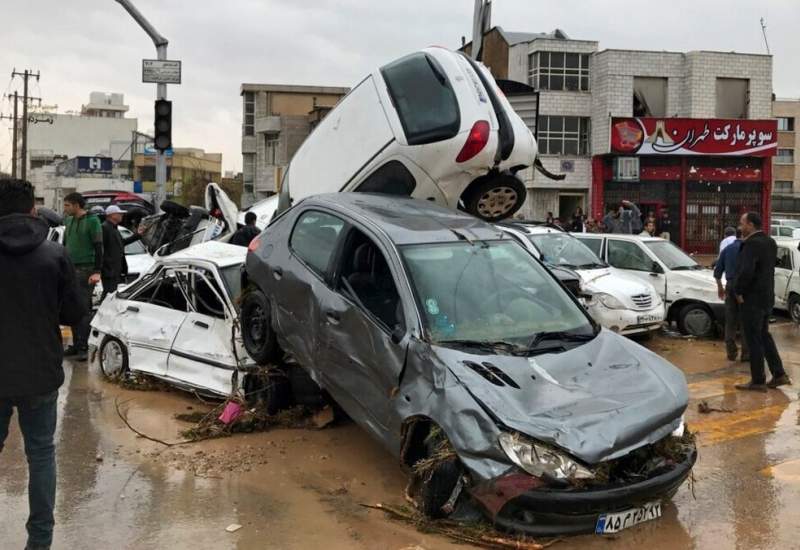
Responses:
[250,231]
[115,266]
[754,286]
[39,292]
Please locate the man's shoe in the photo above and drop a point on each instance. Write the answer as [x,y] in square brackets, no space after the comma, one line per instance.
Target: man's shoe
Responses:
[71,351]
[750,386]
[782,380]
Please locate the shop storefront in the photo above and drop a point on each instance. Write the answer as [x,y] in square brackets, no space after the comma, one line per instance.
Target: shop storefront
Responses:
[704,172]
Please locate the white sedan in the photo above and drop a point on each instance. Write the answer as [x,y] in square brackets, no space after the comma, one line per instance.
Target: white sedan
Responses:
[179,322]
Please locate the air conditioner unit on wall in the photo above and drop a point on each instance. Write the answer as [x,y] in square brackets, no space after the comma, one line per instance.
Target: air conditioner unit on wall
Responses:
[626,169]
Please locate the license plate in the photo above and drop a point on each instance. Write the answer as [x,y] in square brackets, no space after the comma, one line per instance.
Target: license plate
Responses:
[617,521]
[642,319]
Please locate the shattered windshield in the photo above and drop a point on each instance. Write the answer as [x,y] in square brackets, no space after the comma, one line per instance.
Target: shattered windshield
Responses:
[672,256]
[492,292]
[565,250]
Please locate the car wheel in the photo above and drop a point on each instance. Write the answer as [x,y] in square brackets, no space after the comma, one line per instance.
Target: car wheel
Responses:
[435,492]
[794,307]
[494,197]
[113,358]
[259,338]
[695,320]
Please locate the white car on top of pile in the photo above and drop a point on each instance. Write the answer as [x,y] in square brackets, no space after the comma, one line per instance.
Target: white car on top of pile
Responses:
[688,289]
[618,301]
[179,322]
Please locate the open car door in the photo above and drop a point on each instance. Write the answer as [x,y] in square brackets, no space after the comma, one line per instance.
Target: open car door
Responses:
[220,206]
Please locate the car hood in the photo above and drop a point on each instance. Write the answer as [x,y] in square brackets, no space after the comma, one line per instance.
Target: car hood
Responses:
[597,401]
[264,210]
[611,281]
[139,263]
[215,197]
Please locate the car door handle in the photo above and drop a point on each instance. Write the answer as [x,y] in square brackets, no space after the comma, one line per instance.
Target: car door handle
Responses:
[333,317]
[277,273]
[200,324]
[133,309]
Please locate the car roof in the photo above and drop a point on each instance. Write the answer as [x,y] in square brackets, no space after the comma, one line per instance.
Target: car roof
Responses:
[221,254]
[406,220]
[622,236]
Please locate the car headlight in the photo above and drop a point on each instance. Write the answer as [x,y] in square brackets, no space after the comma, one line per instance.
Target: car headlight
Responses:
[678,432]
[609,301]
[541,460]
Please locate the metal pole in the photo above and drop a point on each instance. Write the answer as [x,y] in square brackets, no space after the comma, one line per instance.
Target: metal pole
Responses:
[14,140]
[24,155]
[161,91]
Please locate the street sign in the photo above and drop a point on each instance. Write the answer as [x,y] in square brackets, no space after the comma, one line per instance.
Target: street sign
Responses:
[161,72]
[148,151]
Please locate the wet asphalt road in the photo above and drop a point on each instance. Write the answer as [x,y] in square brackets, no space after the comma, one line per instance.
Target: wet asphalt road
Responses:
[303,488]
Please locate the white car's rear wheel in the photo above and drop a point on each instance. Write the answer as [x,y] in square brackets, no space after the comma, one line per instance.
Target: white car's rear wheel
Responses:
[494,197]
[113,358]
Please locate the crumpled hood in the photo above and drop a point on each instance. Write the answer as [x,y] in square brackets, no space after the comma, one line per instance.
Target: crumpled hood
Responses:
[597,401]
[613,282]
[698,284]
[21,233]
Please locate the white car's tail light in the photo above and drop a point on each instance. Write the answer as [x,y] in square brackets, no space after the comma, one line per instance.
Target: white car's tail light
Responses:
[476,140]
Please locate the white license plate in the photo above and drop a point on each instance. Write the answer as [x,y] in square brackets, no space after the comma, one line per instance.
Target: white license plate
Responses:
[642,319]
[613,523]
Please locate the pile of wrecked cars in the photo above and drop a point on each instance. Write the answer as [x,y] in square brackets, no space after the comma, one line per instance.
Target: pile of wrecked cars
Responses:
[434,330]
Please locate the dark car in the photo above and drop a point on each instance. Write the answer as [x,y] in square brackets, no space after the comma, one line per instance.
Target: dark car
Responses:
[125,200]
[457,350]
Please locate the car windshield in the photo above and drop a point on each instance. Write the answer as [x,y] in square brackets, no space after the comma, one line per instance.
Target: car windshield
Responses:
[672,256]
[490,292]
[134,248]
[565,250]
[232,276]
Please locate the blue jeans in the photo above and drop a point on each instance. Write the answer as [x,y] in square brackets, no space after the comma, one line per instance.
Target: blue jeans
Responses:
[37,422]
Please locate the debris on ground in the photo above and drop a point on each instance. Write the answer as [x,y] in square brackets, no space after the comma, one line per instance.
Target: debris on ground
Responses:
[230,412]
[233,527]
[323,418]
[141,382]
[704,408]
[249,420]
[479,534]
[441,450]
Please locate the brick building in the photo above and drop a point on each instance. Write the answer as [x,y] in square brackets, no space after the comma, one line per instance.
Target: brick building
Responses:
[583,94]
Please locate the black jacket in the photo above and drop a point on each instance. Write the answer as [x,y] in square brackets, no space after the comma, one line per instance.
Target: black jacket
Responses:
[115,265]
[244,235]
[39,292]
[755,270]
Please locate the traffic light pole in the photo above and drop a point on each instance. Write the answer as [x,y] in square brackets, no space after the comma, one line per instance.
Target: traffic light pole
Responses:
[161,93]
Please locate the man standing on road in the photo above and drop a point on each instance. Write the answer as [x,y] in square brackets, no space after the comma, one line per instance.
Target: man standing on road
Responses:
[83,238]
[39,291]
[114,265]
[730,237]
[726,263]
[754,285]
[243,236]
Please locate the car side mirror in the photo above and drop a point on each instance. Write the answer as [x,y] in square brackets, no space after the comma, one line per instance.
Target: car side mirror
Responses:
[398,334]
[655,269]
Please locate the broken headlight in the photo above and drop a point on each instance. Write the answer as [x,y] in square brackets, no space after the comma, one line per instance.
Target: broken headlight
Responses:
[678,432]
[609,301]
[541,460]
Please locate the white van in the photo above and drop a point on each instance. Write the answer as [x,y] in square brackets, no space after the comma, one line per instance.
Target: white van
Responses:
[432,125]
[688,289]
[618,301]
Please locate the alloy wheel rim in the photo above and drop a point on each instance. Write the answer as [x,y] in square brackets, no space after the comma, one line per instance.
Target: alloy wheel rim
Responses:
[698,322]
[497,201]
[112,358]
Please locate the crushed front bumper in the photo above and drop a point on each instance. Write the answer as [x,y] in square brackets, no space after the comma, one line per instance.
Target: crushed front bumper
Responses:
[544,511]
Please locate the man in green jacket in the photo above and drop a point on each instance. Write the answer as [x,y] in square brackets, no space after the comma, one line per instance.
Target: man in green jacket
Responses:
[83,239]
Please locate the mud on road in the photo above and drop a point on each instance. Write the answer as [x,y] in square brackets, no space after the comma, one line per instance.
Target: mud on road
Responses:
[291,488]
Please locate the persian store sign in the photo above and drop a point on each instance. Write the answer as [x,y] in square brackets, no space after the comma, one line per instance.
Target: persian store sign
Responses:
[693,136]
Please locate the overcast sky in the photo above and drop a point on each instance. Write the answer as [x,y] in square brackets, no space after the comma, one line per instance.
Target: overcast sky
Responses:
[93,45]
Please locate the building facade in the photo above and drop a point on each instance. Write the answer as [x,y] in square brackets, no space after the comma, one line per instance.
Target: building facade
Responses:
[189,170]
[581,93]
[785,165]
[275,121]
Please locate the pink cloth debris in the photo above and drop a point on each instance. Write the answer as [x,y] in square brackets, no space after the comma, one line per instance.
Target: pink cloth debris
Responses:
[231,412]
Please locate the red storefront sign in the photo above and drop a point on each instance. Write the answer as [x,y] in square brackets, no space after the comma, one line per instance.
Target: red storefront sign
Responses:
[693,136]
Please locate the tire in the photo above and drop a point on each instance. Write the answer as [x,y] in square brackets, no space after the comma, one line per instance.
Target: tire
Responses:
[494,197]
[113,358]
[696,320]
[259,338]
[794,308]
[436,491]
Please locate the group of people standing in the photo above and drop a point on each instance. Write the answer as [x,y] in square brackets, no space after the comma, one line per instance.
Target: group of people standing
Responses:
[622,218]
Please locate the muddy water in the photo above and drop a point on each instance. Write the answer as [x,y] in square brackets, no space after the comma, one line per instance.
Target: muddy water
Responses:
[303,488]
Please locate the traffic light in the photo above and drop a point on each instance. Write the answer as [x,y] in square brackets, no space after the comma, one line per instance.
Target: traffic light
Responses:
[163,125]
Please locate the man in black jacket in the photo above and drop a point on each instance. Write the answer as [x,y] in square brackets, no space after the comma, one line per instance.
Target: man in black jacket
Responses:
[39,292]
[755,291]
[247,233]
[115,267]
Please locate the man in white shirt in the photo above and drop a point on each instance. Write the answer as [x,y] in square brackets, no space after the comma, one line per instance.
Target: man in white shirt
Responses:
[730,236]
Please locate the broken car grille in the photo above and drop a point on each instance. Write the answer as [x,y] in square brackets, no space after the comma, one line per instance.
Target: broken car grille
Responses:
[642,301]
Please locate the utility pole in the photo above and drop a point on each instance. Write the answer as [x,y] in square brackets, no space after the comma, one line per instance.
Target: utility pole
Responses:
[161,92]
[14,132]
[764,32]
[26,75]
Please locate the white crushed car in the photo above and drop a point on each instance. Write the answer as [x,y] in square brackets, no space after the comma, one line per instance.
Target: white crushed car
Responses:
[787,277]
[432,125]
[618,301]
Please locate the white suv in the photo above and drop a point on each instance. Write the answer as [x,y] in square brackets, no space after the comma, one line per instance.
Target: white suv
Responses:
[433,125]
[618,301]
[688,289]
[787,277]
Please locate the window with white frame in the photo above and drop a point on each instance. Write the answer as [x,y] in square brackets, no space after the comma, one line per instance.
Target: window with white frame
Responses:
[563,135]
[785,156]
[248,128]
[782,187]
[271,150]
[559,71]
[786,124]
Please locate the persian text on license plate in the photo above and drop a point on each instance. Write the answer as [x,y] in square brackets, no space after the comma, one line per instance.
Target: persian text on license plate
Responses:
[617,521]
